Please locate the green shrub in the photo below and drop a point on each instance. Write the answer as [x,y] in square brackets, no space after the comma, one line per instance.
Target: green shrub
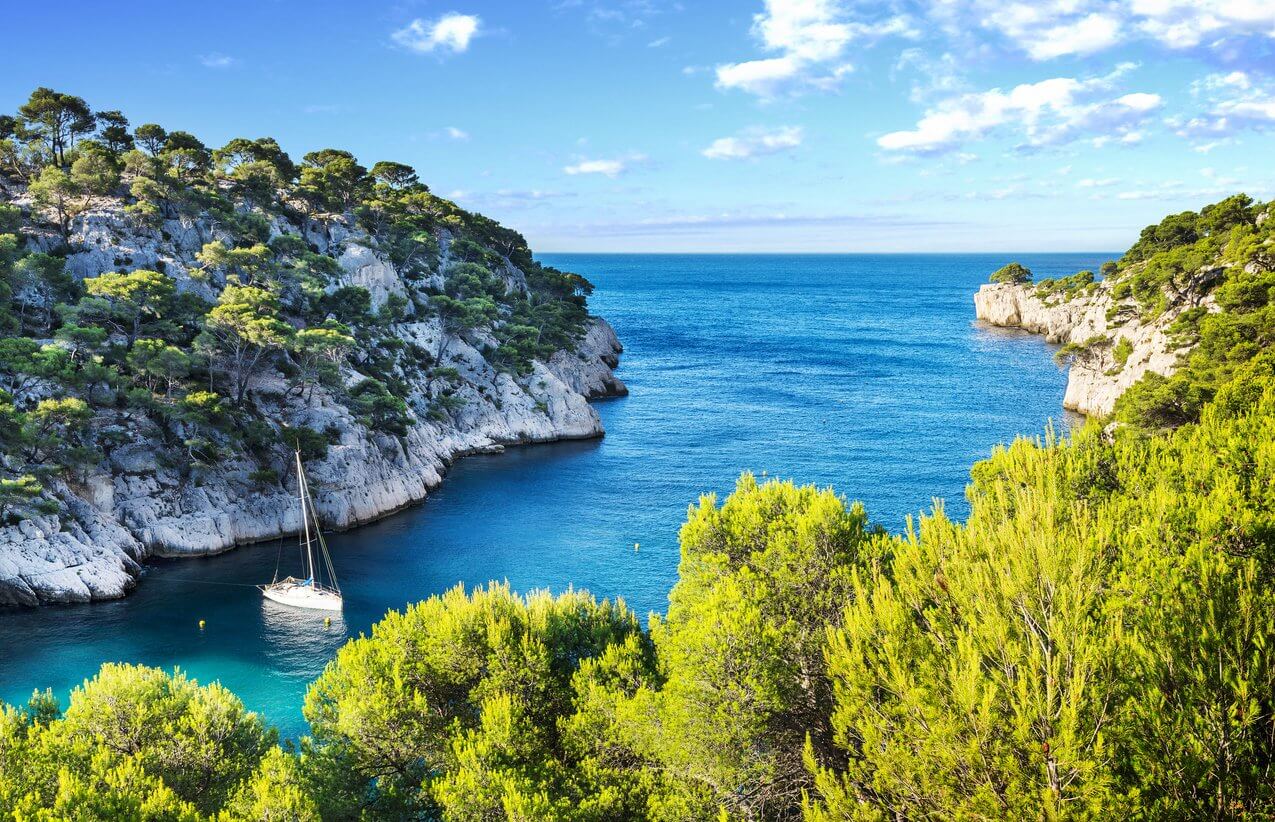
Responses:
[1120,353]
[1012,273]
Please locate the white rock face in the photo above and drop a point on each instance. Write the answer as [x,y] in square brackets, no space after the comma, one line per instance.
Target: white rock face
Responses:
[144,500]
[579,369]
[1096,380]
[77,557]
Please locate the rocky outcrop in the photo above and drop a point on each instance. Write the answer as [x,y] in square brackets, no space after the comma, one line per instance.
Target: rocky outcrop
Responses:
[1095,323]
[144,498]
[579,369]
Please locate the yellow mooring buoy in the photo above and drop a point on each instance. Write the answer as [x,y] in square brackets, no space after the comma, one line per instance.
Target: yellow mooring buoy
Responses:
[202,624]
[327,622]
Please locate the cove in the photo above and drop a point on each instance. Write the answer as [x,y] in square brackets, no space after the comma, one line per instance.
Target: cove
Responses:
[864,372]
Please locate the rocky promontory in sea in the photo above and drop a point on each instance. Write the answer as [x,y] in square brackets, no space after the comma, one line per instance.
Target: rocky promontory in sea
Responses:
[1186,279]
[178,319]
[1095,380]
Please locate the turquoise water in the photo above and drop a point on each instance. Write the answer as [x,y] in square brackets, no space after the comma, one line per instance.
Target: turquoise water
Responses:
[862,372]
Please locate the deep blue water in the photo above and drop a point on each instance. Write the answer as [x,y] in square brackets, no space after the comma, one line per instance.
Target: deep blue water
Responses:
[866,373]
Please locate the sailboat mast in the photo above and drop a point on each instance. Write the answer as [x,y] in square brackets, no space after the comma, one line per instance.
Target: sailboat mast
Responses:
[305,518]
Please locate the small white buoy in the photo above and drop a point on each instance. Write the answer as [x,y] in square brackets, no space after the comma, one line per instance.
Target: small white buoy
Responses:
[763,473]
[636,545]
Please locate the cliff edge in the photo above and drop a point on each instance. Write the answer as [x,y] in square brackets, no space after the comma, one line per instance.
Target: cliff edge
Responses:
[176,319]
[1094,324]
[143,497]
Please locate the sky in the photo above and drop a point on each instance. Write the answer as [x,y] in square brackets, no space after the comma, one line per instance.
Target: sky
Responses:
[747,126]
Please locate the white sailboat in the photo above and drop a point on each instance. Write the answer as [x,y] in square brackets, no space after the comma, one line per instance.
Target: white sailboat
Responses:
[310,592]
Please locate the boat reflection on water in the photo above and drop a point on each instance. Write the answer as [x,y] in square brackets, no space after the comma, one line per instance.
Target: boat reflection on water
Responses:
[302,640]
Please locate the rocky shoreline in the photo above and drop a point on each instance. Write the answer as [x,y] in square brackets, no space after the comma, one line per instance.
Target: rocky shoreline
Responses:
[96,548]
[1095,323]
[143,499]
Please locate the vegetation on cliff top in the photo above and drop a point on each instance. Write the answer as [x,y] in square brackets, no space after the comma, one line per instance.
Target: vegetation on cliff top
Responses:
[1096,641]
[263,297]
[1224,255]
[1226,252]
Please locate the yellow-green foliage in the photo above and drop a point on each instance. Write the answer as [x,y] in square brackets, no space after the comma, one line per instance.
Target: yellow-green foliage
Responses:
[741,649]
[134,743]
[1093,641]
[453,706]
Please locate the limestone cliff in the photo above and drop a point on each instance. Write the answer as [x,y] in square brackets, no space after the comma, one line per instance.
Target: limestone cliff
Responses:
[1095,323]
[143,498]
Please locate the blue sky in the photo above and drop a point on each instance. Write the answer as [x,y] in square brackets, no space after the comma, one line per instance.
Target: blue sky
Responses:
[754,125]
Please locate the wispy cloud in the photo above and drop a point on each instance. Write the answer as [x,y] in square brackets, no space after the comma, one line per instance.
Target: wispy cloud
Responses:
[605,167]
[450,34]
[1047,113]
[454,133]
[217,60]
[1049,30]
[1233,102]
[608,168]
[511,198]
[1188,23]
[754,142]
[810,39]
[612,18]
[698,223]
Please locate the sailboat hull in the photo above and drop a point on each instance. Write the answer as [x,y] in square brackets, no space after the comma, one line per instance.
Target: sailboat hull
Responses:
[302,595]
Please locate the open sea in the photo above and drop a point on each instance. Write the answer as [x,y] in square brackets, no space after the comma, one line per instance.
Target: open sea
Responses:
[864,372]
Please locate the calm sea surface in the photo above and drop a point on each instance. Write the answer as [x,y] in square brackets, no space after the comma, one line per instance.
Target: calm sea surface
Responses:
[864,372]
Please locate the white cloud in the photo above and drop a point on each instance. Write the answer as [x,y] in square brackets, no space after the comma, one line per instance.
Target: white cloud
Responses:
[1233,102]
[754,142]
[765,78]
[510,198]
[1091,33]
[1102,183]
[1140,101]
[1050,112]
[1205,148]
[217,60]
[456,133]
[607,168]
[810,38]
[662,41]
[1044,29]
[1187,23]
[450,33]
[932,74]
[1235,80]
[1048,29]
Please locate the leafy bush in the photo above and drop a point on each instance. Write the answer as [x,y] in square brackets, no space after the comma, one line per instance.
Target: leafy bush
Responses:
[380,410]
[1068,287]
[1120,353]
[1012,273]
